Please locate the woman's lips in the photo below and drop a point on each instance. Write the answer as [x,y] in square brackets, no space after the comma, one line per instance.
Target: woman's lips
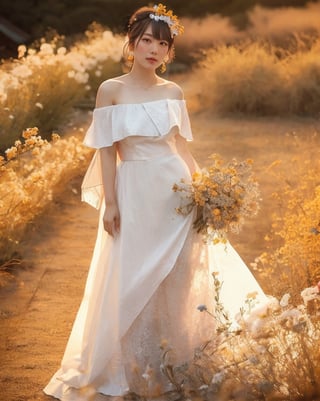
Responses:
[152,60]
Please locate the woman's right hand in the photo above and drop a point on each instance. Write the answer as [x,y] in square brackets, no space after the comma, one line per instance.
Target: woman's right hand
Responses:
[111,219]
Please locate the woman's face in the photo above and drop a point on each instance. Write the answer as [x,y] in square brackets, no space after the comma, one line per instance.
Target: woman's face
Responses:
[150,52]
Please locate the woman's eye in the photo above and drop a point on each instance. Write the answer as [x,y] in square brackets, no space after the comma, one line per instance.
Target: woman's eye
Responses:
[164,43]
[147,40]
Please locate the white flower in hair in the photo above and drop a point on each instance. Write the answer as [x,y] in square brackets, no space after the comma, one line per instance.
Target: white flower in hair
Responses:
[161,14]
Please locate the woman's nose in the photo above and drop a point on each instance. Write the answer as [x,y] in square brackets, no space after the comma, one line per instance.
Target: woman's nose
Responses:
[154,48]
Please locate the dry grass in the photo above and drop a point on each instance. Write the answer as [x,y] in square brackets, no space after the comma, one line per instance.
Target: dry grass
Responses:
[272,354]
[31,176]
[260,79]
[293,244]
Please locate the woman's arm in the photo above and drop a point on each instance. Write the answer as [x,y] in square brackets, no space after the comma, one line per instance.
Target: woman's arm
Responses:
[111,217]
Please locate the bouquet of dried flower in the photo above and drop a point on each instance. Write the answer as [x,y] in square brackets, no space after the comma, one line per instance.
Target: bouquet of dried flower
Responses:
[223,194]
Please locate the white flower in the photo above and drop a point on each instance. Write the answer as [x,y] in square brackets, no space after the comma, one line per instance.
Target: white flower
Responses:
[107,35]
[39,105]
[203,387]
[46,49]
[21,51]
[62,51]
[147,373]
[293,314]
[308,294]
[285,300]
[146,377]
[81,78]
[218,378]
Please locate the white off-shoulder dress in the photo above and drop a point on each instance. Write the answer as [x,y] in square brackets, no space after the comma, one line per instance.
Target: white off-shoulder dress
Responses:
[145,284]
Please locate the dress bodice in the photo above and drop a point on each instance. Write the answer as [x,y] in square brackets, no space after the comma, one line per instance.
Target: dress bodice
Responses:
[146,148]
[154,120]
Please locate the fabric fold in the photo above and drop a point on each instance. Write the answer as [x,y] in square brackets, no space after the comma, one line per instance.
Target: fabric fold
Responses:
[111,124]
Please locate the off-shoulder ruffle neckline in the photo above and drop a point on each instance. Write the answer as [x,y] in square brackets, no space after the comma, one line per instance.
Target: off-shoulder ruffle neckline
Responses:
[139,104]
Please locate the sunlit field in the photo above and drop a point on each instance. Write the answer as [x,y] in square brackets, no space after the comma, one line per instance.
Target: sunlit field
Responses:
[270,71]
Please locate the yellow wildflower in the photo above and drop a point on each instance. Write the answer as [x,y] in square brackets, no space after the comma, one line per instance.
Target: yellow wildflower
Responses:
[29,132]
[31,141]
[11,152]
[55,137]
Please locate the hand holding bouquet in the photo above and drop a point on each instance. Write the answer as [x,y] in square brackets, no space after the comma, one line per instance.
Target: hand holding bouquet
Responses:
[223,196]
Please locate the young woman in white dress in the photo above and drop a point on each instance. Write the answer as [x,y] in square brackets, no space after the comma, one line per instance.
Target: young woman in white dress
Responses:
[150,269]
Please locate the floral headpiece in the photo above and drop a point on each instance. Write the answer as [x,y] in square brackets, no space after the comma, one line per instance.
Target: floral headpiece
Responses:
[161,14]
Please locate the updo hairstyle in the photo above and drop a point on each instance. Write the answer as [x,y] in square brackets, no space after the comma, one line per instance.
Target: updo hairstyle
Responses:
[139,23]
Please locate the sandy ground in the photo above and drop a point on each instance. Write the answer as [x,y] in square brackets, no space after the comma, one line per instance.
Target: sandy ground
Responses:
[38,307]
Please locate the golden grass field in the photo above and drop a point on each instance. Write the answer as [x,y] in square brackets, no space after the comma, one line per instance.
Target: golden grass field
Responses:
[39,305]
[249,98]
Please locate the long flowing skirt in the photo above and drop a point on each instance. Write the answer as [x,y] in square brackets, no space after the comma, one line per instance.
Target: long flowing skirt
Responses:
[143,288]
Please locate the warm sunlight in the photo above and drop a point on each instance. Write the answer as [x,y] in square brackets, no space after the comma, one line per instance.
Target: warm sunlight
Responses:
[184,150]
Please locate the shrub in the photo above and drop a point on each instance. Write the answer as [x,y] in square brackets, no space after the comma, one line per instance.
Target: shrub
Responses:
[261,79]
[246,79]
[304,81]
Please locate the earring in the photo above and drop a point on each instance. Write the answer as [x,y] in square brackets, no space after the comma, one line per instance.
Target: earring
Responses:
[163,68]
[130,57]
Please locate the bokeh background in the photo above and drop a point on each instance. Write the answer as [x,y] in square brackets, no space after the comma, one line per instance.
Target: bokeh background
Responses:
[38,18]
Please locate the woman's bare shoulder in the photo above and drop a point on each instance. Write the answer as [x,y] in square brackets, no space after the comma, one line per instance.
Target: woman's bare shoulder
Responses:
[174,90]
[108,91]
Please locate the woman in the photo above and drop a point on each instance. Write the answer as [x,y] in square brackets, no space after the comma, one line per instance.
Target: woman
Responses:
[149,269]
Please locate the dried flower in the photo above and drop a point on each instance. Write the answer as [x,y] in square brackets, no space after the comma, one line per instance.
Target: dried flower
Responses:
[285,300]
[223,196]
[11,152]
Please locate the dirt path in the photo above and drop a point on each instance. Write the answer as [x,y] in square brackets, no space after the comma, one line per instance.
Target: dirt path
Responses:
[37,313]
[38,308]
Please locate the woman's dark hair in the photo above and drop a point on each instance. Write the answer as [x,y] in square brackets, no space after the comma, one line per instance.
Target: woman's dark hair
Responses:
[139,23]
